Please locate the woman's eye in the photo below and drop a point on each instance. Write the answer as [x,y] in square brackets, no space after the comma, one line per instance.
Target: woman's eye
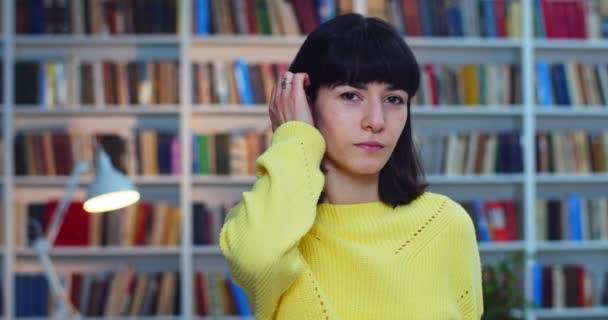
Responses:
[349,96]
[395,100]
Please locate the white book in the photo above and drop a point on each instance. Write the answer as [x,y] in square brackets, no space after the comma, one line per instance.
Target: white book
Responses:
[559,290]
[584,214]
[573,83]
[602,215]
[471,153]
[541,220]
[489,158]
[450,154]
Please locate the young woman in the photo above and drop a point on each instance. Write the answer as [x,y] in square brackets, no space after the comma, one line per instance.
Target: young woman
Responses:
[338,225]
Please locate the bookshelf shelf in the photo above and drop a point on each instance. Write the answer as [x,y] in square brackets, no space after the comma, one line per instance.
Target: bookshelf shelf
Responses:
[104,252]
[572,246]
[502,247]
[94,40]
[207,250]
[61,181]
[463,43]
[415,42]
[575,45]
[570,313]
[569,112]
[83,111]
[572,178]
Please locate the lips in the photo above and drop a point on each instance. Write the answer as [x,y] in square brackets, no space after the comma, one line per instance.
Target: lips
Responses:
[370,145]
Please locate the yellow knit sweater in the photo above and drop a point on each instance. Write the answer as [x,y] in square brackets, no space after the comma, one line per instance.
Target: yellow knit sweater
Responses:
[299,260]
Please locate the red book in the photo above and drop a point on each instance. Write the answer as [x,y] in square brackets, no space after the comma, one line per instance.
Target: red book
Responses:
[548,15]
[511,219]
[411,13]
[201,287]
[75,288]
[74,231]
[430,71]
[143,215]
[580,279]
[252,21]
[500,15]
[580,19]
[496,217]
[306,14]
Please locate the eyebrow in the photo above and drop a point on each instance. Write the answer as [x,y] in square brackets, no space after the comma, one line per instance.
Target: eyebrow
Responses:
[363,86]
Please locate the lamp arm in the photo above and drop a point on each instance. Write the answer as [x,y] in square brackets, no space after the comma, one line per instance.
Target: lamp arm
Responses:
[61,297]
[42,244]
[81,168]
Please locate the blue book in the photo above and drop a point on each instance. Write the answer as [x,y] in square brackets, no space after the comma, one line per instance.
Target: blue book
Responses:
[425,19]
[201,12]
[539,26]
[561,86]
[195,155]
[604,27]
[240,298]
[576,229]
[326,10]
[243,82]
[543,84]
[35,17]
[489,18]
[482,223]
[537,284]
[455,26]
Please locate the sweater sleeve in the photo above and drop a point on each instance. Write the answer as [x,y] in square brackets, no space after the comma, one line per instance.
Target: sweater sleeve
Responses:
[261,234]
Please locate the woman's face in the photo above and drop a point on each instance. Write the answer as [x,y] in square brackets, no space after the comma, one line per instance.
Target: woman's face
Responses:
[361,125]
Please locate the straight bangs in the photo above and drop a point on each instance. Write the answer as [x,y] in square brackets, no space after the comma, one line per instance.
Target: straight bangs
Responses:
[369,55]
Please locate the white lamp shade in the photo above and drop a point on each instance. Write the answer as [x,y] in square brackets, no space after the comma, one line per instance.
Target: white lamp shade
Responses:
[110,190]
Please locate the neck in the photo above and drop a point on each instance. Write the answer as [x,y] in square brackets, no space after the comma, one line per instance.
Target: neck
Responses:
[344,188]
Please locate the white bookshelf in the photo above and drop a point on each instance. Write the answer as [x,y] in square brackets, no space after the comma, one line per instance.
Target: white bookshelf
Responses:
[186,188]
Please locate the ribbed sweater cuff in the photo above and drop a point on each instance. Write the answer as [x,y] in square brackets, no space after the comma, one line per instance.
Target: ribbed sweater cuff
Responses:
[314,142]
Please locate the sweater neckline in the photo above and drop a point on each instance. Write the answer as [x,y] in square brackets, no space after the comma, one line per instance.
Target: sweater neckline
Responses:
[341,212]
[348,214]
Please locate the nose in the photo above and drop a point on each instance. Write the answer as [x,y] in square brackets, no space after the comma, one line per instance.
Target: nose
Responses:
[373,118]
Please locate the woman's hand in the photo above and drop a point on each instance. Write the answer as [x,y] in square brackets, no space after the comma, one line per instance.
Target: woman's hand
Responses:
[288,101]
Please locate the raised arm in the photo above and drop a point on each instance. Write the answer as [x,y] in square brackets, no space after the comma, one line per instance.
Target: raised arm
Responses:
[261,234]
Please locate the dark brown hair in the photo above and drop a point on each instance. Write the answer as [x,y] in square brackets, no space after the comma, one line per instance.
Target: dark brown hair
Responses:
[352,49]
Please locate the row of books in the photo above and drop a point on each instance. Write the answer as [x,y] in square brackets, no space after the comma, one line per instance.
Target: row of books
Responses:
[264,17]
[232,153]
[572,218]
[51,84]
[147,152]
[128,292]
[484,84]
[575,19]
[466,18]
[54,152]
[571,84]
[241,82]
[572,152]
[120,293]
[107,17]
[495,220]
[142,224]
[557,286]
[479,152]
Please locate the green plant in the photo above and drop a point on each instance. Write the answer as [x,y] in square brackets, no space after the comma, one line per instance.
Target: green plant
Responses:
[502,293]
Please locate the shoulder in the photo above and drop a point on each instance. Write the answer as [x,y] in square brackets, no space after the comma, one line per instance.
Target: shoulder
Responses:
[461,221]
